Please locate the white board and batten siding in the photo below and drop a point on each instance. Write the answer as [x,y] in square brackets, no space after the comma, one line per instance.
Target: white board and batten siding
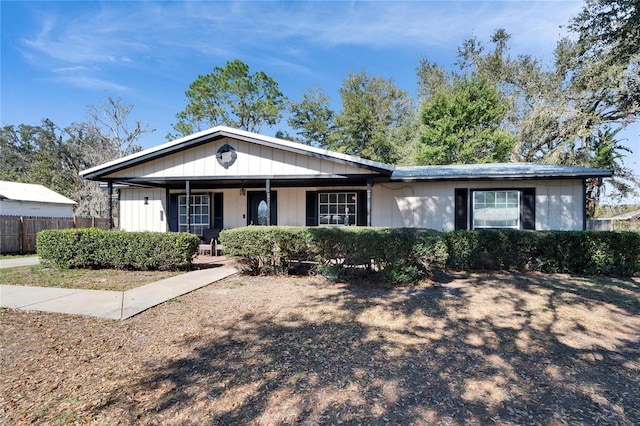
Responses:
[559,203]
[135,215]
[420,205]
[252,160]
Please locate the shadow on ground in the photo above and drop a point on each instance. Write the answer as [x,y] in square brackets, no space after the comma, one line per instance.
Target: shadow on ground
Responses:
[476,349]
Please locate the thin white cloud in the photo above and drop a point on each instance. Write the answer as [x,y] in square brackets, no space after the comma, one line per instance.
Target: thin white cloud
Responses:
[85,78]
[218,28]
[145,34]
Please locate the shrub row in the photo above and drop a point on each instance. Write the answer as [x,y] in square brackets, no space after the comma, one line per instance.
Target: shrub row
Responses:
[94,248]
[406,255]
[575,252]
[398,255]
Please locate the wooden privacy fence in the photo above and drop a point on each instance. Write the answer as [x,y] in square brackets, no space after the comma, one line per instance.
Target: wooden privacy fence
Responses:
[18,233]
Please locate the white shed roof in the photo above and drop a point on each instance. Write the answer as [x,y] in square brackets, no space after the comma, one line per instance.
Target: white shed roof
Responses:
[17,191]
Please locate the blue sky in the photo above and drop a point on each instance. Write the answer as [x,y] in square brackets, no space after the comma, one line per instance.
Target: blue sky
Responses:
[58,57]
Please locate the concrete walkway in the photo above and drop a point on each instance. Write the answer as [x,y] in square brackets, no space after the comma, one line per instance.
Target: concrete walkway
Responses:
[116,305]
[19,261]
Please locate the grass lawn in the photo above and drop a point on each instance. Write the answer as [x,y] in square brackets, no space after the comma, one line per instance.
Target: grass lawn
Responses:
[103,279]
[476,348]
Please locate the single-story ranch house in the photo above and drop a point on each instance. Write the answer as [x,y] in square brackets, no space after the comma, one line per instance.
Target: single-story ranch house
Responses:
[228,178]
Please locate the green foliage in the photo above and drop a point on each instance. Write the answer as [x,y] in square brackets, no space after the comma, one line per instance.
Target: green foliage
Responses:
[396,255]
[575,252]
[408,255]
[609,29]
[313,118]
[231,96]
[570,112]
[52,156]
[462,125]
[97,249]
[373,109]
[265,250]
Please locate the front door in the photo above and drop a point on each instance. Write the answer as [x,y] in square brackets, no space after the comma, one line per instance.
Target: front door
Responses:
[257,208]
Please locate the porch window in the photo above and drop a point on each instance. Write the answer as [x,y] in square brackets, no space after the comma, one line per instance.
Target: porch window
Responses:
[200,209]
[337,208]
[496,209]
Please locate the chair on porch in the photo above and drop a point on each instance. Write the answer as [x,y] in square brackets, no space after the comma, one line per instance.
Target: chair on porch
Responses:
[209,243]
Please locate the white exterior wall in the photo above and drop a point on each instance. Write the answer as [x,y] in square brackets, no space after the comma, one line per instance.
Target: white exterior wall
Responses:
[134,215]
[31,208]
[421,205]
[431,204]
[252,160]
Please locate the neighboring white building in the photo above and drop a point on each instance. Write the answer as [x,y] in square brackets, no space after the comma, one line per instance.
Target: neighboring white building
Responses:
[228,178]
[25,199]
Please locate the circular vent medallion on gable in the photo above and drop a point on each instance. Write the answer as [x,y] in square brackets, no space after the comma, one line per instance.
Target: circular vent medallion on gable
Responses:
[226,155]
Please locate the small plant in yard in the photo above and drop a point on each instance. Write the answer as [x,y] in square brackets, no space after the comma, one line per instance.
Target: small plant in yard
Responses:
[329,271]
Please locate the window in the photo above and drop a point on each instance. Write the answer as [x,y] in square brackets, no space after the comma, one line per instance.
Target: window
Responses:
[200,208]
[496,209]
[337,208]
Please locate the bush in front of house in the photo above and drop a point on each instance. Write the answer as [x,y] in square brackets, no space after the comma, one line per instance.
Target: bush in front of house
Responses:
[266,250]
[397,255]
[575,252]
[97,249]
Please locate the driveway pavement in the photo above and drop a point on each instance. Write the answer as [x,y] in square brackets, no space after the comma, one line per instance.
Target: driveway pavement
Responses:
[116,305]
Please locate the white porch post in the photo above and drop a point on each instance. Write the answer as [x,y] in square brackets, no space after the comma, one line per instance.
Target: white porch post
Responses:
[110,203]
[268,190]
[188,185]
[369,185]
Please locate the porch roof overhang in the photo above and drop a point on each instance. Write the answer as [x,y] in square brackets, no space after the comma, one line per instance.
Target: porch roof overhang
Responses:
[248,182]
[102,171]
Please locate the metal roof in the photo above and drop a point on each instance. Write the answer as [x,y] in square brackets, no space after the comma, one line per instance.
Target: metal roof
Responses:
[17,191]
[496,171]
[222,132]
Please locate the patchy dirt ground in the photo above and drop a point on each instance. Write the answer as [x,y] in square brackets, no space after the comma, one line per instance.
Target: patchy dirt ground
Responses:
[474,349]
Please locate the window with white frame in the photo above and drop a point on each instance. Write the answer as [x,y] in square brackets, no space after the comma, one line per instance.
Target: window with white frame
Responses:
[496,209]
[200,206]
[337,208]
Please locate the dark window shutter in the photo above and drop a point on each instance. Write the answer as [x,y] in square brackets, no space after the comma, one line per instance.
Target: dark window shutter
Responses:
[218,222]
[529,208]
[173,213]
[361,220]
[312,208]
[461,208]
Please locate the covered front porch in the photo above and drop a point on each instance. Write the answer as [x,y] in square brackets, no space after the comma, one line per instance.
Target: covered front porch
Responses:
[194,205]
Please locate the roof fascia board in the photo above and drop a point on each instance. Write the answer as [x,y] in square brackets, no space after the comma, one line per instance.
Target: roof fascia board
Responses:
[500,177]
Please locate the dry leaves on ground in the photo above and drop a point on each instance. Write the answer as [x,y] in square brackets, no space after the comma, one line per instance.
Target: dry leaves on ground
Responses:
[476,349]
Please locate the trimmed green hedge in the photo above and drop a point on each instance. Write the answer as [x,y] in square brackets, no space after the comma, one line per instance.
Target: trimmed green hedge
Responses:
[266,250]
[95,249]
[574,252]
[402,255]
[397,255]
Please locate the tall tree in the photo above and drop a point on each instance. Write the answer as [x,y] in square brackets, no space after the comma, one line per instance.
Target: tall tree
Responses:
[373,109]
[461,124]
[53,156]
[609,29]
[110,122]
[557,112]
[230,96]
[313,118]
